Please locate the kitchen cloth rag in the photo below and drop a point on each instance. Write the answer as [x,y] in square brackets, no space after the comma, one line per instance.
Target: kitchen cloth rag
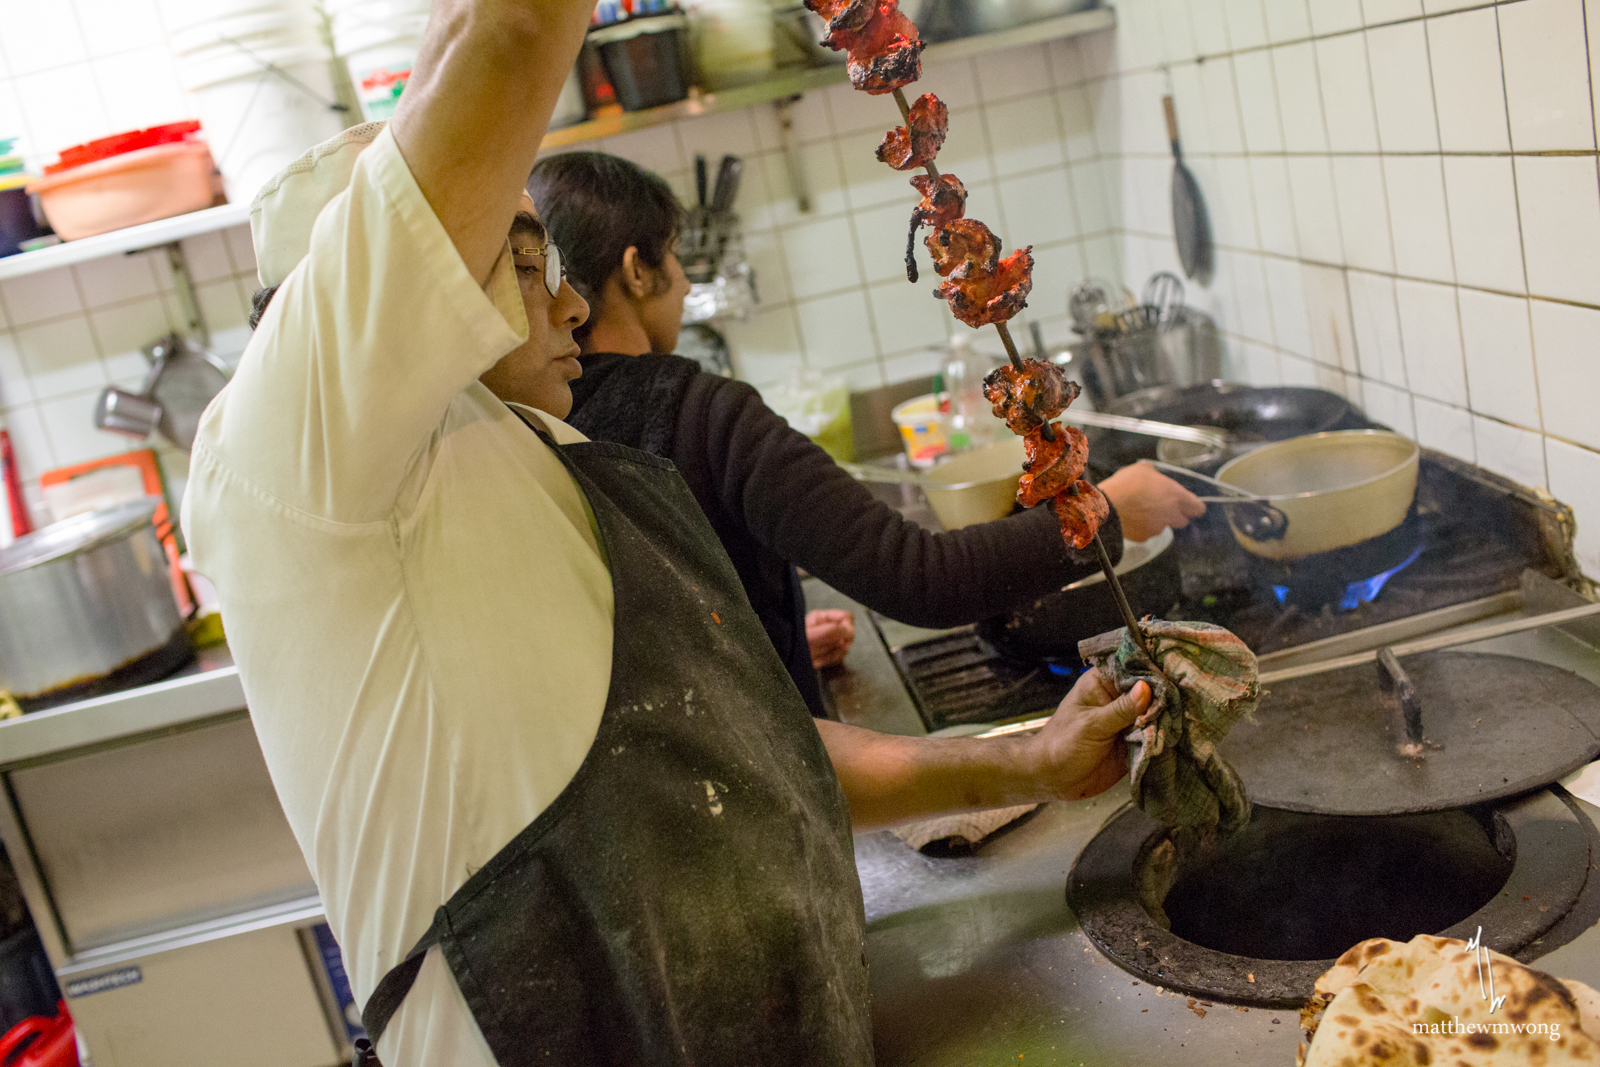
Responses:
[1206,681]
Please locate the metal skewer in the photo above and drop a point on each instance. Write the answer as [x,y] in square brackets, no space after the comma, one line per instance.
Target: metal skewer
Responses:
[1128,617]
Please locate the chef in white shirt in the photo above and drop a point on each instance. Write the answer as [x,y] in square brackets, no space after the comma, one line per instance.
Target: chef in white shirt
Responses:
[561,800]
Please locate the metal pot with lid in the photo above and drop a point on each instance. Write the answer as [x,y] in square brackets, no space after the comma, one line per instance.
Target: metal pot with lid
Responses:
[87,607]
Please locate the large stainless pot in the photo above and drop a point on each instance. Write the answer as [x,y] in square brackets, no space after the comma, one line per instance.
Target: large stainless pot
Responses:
[1336,489]
[86,606]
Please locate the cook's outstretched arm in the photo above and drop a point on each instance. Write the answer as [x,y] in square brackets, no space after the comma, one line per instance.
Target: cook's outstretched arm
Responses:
[890,780]
[476,107]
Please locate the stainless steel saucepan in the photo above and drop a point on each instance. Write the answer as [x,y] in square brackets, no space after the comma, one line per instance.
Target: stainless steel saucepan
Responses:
[1336,489]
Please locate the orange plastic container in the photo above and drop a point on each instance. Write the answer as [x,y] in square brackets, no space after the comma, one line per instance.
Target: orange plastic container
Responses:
[130,188]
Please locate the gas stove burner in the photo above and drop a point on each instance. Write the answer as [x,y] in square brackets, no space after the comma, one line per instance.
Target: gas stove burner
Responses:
[1357,593]
[1257,918]
[959,678]
[1346,577]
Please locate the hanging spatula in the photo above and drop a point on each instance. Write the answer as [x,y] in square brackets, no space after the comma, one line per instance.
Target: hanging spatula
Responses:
[1189,222]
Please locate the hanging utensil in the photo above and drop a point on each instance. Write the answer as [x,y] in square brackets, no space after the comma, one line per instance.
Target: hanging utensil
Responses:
[700,181]
[727,187]
[1190,223]
[1036,332]
[1085,304]
[190,377]
[182,380]
[1164,292]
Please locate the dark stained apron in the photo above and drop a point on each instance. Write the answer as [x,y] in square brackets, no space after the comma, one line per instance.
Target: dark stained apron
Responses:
[691,896]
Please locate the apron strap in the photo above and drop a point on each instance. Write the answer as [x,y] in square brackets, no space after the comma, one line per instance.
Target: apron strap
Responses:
[535,427]
[394,986]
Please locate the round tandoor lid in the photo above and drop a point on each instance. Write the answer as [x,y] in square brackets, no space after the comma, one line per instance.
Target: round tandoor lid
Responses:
[1493,726]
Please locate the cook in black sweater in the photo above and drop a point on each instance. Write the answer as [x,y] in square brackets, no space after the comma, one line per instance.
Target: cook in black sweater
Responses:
[774,497]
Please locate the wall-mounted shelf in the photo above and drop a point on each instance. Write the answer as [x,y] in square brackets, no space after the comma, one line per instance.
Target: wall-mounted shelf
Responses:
[794,83]
[165,231]
[133,239]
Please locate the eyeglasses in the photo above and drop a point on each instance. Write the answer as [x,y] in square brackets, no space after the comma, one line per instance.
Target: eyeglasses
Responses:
[554,269]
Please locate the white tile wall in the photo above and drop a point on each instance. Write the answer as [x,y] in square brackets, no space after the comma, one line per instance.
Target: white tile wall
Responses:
[1405,196]
[1027,131]
[72,70]
[71,332]
[1422,180]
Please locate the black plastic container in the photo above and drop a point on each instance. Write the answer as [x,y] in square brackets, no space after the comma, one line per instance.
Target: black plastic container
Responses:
[27,982]
[17,222]
[646,59]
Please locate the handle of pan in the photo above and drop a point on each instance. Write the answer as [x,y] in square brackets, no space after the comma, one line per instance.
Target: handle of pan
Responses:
[1198,435]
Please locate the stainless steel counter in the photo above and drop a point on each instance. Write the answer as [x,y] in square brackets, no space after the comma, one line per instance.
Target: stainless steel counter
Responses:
[978,960]
[168,889]
[207,687]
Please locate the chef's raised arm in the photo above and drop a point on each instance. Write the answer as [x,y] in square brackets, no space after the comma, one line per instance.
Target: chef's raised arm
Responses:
[387,256]
[475,109]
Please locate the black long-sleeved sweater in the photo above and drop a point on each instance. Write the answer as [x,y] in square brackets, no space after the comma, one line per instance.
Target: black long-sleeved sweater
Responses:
[777,500]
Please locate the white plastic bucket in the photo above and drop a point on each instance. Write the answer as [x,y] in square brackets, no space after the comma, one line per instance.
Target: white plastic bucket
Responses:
[259,122]
[183,15]
[380,73]
[198,71]
[252,33]
[733,41]
[378,41]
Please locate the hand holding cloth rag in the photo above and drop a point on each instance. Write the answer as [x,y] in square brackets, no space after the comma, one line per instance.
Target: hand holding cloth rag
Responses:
[1204,680]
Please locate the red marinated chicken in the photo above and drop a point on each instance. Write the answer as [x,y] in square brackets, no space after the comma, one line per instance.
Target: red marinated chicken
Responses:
[986,298]
[841,15]
[1080,510]
[944,199]
[884,48]
[917,143]
[1052,465]
[1026,399]
[964,247]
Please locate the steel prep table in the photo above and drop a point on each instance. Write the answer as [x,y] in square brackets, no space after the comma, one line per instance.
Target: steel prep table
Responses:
[175,904]
[978,960]
[167,887]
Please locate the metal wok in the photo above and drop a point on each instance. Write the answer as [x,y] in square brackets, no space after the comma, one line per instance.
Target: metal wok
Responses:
[1248,415]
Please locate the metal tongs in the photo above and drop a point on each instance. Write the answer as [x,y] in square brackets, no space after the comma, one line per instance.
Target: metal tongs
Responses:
[1256,516]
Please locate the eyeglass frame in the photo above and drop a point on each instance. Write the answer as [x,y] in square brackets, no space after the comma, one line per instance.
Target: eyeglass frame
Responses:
[552,259]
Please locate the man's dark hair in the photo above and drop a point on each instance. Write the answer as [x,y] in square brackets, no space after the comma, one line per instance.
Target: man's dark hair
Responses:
[258,304]
[594,206]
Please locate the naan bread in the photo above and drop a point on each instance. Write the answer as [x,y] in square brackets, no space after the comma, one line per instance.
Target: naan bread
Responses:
[1387,1004]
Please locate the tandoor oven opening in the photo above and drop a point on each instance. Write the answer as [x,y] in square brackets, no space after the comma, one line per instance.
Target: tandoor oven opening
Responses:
[1293,886]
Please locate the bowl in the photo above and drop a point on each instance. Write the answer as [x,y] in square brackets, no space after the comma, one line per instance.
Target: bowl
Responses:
[975,486]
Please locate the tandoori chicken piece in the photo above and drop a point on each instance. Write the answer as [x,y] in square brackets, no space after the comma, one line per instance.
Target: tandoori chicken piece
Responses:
[1028,398]
[1053,466]
[962,248]
[944,199]
[917,143]
[1080,510]
[991,296]
[883,45]
[841,15]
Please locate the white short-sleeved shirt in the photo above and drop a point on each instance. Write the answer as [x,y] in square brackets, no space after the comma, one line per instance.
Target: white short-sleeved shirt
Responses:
[409,580]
